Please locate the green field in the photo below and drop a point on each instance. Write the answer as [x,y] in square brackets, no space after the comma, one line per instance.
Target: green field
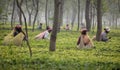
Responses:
[106,55]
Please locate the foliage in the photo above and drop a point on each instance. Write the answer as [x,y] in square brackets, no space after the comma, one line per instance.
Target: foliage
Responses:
[104,5]
[106,56]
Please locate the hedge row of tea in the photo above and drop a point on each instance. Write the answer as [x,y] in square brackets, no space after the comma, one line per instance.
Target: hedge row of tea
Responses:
[106,55]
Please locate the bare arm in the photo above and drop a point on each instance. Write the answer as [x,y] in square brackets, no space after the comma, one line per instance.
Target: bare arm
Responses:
[78,42]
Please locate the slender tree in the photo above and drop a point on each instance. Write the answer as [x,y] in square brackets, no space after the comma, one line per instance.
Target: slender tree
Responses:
[99,20]
[25,26]
[20,14]
[93,17]
[61,15]
[46,14]
[7,11]
[78,15]
[53,37]
[74,13]
[119,5]
[87,15]
[36,13]
[12,14]
[29,9]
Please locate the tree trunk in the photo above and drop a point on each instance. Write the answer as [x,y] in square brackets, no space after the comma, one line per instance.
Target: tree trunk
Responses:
[116,22]
[20,18]
[81,18]
[12,14]
[6,13]
[67,17]
[29,12]
[87,15]
[73,17]
[29,23]
[37,2]
[20,14]
[78,15]
[57,4]
[99,20]
[93,19]
[25,27]
[61,15]
[110,20]
[119,5]
[91,13]
[46,14]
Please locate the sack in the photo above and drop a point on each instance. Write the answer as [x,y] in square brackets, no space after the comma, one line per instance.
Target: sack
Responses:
[81,45]
[17,40]
[11,40]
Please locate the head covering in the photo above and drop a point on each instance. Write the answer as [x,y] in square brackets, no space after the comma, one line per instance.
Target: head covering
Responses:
[107,29]
[49,30]
[18,26]
[83,29]
[48,27]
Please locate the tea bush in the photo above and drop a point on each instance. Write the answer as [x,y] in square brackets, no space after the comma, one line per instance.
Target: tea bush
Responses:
[106,55]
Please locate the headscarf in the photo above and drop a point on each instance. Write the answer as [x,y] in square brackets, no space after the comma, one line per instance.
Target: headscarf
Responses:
[107,29]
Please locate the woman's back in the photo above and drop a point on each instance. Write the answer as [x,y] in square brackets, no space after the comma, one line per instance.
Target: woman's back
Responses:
[86,39]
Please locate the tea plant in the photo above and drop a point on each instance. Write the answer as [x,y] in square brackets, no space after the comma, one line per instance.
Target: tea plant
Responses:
[106,55]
